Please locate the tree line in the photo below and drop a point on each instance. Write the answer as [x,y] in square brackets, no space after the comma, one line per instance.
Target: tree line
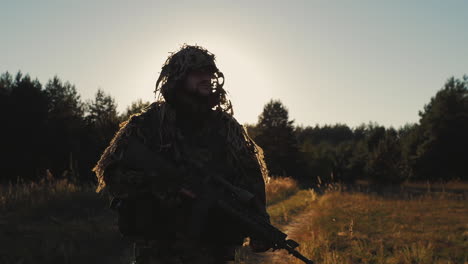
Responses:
[433,149]
[48,130]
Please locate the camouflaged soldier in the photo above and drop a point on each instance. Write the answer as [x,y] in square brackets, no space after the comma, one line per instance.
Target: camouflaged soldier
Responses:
[157,164]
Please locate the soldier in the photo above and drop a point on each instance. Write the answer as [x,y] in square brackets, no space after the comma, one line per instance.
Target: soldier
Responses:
[158,164]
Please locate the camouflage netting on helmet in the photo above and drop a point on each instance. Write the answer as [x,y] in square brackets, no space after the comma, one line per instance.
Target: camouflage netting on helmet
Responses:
[179,64]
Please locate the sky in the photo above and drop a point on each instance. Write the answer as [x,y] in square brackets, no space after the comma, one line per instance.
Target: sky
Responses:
[348,62]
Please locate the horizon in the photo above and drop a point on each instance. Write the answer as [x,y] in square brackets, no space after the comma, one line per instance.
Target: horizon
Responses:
[328,63]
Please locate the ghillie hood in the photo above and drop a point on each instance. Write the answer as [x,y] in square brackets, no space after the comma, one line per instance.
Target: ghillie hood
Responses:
[179,64]
[156,125]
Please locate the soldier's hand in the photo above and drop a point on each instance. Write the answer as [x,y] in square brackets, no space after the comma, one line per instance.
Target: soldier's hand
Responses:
[258,245]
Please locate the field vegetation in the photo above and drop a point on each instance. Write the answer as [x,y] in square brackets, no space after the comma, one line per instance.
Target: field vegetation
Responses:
[57,221]
[355,227]
[280,188]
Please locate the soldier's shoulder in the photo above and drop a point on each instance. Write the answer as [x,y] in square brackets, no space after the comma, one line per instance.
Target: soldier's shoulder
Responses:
[227,119]
[234,131]
[140,126]
[146,115]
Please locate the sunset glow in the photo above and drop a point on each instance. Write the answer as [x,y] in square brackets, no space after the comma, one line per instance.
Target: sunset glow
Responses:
[337,62]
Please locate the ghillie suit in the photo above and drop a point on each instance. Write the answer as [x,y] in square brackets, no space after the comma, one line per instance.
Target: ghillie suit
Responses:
[175,143]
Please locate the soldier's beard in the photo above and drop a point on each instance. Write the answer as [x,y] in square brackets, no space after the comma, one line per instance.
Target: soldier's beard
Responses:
[193,103]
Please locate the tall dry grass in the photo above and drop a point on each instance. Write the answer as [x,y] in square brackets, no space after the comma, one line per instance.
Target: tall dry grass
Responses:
[58,221]
[279,188]
[451,186]
[25,196]
[359,228]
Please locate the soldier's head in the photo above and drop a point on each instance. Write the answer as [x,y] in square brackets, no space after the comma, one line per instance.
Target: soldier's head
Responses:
[190,75]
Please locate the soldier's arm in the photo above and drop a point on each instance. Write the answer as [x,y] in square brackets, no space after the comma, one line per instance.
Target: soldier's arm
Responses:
[141,181]
[257,173]
[257,186]
[140,170]
[129,165]
[249,159]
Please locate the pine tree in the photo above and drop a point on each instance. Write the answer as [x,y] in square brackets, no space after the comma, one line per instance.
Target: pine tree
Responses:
[443,151]
[276,137]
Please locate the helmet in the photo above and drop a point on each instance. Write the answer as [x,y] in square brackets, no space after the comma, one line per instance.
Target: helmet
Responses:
[179,64]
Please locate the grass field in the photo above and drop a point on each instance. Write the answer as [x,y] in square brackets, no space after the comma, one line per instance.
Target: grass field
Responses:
[60,222]
[343,227]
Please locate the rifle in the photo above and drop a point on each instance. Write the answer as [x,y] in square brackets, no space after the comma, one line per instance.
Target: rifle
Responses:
[236,206]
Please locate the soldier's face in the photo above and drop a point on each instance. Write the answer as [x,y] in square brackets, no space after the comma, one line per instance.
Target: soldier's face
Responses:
[199,82]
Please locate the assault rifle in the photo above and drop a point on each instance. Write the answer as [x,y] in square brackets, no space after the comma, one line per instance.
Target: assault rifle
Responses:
[236,206]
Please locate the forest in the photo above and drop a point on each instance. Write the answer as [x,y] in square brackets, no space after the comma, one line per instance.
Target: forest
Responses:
[328,188]
[49,131]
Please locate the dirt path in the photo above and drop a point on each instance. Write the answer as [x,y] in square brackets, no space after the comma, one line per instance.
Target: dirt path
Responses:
[293,230]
